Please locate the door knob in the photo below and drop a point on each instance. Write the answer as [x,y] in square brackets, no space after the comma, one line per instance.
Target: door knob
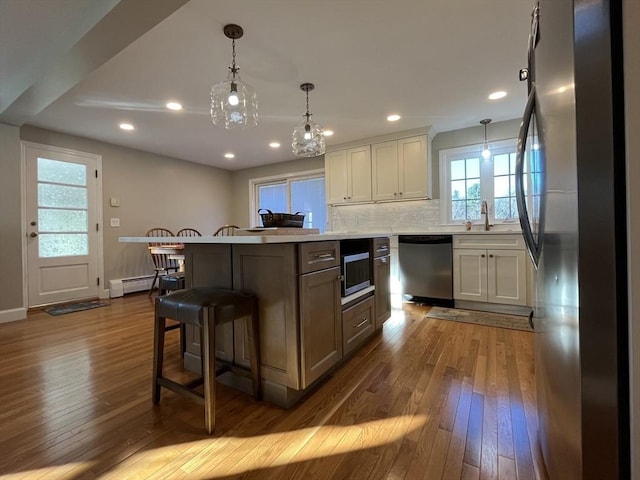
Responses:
[33,234]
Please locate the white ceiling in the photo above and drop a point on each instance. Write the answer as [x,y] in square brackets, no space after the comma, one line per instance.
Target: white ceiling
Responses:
[432,61]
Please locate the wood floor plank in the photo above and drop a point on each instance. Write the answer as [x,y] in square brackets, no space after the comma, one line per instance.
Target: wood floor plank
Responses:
[423,397]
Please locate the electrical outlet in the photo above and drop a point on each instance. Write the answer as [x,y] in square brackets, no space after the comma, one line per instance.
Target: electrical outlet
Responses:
[115,222]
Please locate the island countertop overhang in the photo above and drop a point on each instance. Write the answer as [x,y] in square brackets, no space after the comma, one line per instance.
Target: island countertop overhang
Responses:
[255,239]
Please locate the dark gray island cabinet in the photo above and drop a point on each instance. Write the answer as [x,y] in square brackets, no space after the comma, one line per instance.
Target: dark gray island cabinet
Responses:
[306,327]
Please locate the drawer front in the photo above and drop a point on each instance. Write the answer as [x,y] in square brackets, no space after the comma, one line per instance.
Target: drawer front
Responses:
[314,256]
[505,242]
[358,324]
[381,247]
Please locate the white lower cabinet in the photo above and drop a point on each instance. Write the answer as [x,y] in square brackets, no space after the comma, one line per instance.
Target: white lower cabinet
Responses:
[495,275]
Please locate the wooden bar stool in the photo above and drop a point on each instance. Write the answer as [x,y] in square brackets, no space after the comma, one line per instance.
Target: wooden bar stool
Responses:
[204,308]
[169,283]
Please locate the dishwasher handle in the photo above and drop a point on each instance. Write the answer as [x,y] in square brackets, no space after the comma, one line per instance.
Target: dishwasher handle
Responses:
[425,239]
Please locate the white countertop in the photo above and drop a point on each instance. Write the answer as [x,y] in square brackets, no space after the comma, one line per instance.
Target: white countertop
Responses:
[254,239]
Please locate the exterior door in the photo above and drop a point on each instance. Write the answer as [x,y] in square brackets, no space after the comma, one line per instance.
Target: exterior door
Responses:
[62,205]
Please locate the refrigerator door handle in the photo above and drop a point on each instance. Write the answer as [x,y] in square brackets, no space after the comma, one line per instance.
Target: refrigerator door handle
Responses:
[533,41]
[525,223]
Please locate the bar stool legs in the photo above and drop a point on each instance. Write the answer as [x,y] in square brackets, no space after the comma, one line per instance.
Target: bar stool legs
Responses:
[208,348]
[205,308]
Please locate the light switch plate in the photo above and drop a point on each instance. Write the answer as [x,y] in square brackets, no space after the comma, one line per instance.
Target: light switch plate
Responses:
[115,222]
[114,202]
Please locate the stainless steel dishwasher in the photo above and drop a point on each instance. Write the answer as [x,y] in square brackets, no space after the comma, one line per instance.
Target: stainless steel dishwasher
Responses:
[426,268]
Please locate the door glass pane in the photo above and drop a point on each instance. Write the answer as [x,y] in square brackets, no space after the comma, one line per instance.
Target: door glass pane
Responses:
[62,207]
[52,220]
[55,171]
[63,244]
[61,196]
[307,196]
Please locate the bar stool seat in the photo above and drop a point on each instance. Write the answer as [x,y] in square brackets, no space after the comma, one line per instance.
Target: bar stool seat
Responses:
[171,282]
[205,308]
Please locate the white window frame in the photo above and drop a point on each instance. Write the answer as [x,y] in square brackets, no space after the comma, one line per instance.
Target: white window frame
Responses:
[486,171]
[254,183]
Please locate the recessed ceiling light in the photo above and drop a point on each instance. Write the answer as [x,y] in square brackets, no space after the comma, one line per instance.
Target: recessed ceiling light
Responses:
[126,126]
[174,106]
[327,133]
[229,155]
[497,95]
[394,118]
[274,145]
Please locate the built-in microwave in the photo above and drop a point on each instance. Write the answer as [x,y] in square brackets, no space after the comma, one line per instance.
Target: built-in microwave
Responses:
[355,272]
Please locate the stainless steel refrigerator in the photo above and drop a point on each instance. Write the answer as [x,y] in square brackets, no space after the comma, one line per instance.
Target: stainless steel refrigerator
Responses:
[571,198]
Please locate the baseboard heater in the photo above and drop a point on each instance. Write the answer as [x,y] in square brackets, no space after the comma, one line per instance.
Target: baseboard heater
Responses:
[121,286]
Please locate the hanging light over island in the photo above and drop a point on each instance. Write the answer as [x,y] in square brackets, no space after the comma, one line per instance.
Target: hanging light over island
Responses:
[234,103]
[308,137]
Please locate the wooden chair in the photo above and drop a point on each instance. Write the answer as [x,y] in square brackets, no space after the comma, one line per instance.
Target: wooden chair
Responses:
[161,261]
[175,281]
[225,231]
[188,232]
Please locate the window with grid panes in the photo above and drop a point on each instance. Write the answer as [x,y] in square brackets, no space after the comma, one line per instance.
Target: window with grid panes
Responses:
[466,178]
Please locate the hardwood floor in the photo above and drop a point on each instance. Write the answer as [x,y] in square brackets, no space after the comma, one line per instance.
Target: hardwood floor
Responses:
[425,399]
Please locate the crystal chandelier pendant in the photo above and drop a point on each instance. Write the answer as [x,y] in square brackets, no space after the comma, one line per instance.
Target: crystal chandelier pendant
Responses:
[308,136]
[234,103]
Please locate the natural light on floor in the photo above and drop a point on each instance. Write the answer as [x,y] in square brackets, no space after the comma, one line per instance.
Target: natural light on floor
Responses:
[209,458]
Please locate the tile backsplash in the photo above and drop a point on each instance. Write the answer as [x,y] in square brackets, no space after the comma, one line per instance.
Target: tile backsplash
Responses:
[386,217]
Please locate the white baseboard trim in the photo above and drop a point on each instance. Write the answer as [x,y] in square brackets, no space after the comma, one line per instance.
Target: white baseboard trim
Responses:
[13,315]
[104,293]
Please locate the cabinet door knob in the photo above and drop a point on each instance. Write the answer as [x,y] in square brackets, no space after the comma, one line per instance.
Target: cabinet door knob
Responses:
[491,256]
[344,198]
[482,255]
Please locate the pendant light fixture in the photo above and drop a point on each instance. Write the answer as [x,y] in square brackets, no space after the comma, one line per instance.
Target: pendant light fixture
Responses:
[234,103]
[308,138]
[486,153]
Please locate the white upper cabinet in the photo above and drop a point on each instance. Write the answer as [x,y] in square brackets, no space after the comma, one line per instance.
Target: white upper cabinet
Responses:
[413,176]
[348,175]
[384,158]
[400,169]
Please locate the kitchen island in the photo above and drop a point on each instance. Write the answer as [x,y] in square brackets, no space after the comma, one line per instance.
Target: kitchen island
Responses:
[307,328]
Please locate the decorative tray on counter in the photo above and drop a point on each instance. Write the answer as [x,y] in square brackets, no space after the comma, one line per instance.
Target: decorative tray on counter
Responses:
[276,231]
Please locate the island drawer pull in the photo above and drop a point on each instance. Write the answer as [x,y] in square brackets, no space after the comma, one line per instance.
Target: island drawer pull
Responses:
[361,323]
[322,257]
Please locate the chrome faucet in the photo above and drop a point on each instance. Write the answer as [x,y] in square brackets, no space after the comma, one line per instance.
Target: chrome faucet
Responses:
[484,210]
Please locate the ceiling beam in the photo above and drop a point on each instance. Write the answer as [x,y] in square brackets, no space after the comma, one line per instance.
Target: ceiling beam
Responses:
[122,25]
